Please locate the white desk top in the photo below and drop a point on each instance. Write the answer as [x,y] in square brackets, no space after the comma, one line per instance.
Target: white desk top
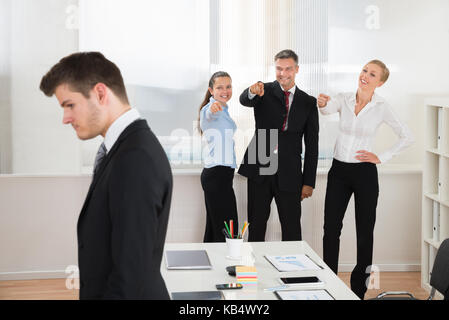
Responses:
[252,254]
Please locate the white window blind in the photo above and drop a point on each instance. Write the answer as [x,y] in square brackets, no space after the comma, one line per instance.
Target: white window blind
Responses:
[247,35]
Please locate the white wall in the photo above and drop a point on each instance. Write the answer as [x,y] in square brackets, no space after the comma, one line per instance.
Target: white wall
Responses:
[5,82]
[38,217]
[412,38]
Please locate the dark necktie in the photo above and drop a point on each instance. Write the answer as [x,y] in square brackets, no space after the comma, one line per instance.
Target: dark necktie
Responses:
[286,94]
[99,157]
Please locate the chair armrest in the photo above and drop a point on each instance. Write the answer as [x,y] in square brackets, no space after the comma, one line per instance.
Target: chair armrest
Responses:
[395,293]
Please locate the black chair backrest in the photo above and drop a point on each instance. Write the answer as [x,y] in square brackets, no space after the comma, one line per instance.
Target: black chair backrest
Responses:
[440,271]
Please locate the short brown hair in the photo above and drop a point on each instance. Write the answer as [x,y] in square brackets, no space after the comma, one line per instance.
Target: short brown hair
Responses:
[385,71]
[286,54]
[82,71]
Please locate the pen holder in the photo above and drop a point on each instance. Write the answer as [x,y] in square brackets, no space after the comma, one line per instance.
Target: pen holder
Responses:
[234,248]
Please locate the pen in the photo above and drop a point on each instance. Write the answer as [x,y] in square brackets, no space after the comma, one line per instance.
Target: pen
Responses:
[225,233]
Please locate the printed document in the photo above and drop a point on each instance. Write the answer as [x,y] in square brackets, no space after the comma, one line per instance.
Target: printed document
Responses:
[296,262]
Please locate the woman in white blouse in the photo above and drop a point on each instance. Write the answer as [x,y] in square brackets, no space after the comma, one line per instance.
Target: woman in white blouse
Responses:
[354,166]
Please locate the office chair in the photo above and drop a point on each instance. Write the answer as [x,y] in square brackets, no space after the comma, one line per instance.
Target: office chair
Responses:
[439,280]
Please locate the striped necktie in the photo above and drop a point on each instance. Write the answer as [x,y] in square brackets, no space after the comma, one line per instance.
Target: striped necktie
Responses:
[286,94]
[99,157]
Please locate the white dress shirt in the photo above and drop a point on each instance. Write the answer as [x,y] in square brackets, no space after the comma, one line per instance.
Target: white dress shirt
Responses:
[290,101]
[358,132]
[118,126]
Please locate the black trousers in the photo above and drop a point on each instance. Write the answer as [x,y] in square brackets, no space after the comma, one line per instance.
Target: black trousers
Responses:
[220,201]
[345,179]
[260,196]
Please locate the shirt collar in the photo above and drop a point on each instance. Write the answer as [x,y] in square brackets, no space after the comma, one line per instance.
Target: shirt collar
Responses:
[374,99]
[117,127]
[292,90]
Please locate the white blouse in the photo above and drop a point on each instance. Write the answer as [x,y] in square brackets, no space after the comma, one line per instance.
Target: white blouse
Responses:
[357,132]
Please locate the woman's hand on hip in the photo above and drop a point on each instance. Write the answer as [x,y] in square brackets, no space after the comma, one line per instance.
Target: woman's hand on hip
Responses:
[365,156]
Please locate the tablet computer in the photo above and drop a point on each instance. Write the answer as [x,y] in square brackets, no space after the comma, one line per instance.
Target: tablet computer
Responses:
[187,260]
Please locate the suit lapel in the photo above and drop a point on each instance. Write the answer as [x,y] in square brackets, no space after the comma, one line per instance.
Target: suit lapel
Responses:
[136,125]
[296,103]
[279,93]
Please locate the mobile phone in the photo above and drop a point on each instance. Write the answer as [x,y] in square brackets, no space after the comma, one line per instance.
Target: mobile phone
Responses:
[228,286]
[300,280]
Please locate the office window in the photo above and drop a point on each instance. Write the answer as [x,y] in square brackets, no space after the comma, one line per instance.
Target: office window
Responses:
[162,49]
[174,55]
[167,51]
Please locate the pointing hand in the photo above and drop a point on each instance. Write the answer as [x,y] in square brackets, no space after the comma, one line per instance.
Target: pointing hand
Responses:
[257,89]
[323,100]
[215,107]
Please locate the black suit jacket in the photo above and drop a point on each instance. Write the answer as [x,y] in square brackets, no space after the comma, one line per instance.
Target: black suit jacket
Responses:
[269,113]
[123,223]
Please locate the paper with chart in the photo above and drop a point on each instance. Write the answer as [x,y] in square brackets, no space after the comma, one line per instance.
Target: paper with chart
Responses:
[296,262]
[304,295]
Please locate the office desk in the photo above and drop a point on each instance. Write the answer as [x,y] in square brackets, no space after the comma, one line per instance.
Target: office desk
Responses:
[252,254]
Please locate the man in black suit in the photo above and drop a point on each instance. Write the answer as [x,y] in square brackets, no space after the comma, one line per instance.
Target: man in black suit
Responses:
[123,223]
[272,163]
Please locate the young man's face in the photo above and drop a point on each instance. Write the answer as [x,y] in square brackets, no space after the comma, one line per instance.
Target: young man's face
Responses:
[85,115]
[286,70]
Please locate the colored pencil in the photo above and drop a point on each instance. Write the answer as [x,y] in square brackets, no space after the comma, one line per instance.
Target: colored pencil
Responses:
[241,232]
[246,228]
[227,228]
[231,226]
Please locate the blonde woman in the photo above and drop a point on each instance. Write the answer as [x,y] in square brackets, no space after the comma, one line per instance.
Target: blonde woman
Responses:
[354,168]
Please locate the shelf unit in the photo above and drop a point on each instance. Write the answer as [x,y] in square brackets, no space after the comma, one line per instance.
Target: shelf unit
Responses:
[435,202]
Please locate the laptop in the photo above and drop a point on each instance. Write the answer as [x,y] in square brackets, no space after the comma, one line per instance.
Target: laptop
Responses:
[187,260]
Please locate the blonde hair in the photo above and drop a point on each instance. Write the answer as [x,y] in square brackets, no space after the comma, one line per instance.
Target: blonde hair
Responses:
[385,71]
